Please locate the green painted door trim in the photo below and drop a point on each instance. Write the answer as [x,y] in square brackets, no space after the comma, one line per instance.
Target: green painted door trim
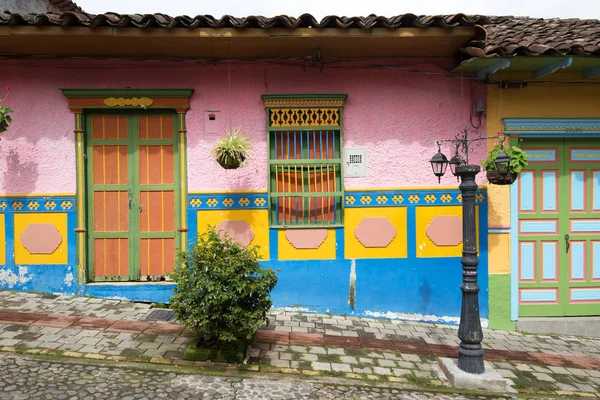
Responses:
[134,188]
[93,93]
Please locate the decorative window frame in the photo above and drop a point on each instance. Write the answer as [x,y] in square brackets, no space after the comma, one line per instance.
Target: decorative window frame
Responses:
[302,114]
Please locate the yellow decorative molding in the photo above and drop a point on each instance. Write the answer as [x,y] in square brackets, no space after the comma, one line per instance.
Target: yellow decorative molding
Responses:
[304,103]
[129,102]
[305,117]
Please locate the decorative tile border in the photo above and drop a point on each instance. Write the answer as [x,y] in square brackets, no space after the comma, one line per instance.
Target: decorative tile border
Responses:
[43,204]
[402,198]
[375,198]
[527,127]
[238,201]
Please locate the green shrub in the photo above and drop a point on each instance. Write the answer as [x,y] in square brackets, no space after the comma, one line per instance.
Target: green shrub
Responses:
[222,291]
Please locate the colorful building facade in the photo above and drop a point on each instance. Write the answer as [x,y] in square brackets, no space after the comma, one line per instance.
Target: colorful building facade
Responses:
[108,172]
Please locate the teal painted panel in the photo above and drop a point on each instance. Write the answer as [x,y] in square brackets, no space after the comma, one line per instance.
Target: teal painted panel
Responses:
[538,226]
[590,155]
[585,294]
[596,190]
[527,261]
[527,191]
[534,296]
[546,155]
[595,260]
[553,127]
[577,260]
[585,225]
[549,195]
[549,261]
[577,190]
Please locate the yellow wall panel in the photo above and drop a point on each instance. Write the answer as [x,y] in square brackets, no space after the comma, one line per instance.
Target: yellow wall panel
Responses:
[398,248]
[257,219]
[23,220]
[499,253]
[326,250]
[424,216]
[2,240]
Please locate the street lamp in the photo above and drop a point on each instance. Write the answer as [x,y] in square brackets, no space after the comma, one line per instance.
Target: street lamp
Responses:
[470,351]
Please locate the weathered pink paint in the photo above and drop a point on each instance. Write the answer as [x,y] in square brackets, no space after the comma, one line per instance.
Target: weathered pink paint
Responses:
[396,115]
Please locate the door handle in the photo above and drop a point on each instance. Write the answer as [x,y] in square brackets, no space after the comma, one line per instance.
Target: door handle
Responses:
[130,203]
[567,241]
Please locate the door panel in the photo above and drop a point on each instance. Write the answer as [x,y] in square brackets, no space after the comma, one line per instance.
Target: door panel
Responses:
[157,195]
[540,205]
[582,290]
[132,198]
[558,228]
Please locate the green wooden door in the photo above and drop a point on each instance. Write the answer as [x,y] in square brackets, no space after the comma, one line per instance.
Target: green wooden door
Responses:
[132,201]
[559,229]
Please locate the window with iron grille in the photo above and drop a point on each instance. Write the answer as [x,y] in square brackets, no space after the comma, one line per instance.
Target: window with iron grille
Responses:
[305,160]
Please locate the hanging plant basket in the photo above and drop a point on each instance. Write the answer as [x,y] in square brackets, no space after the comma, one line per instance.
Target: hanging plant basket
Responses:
[230,163]
[495,178]
[231,151]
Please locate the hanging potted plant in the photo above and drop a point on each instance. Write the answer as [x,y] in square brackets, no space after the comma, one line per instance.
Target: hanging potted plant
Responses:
[504,173]
[5,119]
[231,151]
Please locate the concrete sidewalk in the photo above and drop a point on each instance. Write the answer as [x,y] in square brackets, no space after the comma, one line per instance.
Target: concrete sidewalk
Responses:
[296,343]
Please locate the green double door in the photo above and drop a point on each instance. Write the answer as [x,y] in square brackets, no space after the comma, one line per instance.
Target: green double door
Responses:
[132,196]
[559,228]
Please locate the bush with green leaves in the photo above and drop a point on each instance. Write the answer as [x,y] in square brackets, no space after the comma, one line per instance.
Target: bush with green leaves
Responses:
[222,291]
[518,158]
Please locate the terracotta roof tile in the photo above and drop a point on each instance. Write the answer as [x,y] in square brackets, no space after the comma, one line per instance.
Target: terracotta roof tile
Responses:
[75,18]
[522,36]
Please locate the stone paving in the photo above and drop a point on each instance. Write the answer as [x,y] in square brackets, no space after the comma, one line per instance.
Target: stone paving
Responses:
[375,350]
[25,378]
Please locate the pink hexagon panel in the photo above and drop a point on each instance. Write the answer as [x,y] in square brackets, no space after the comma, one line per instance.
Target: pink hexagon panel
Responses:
[375,232]
[445,230]
[41,238]
[237,230]
[306,238]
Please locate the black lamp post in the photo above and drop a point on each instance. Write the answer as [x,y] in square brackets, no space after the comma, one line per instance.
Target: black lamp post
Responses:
[470,351]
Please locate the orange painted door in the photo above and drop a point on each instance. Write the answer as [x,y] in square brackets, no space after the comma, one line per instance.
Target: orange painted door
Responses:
[132,198]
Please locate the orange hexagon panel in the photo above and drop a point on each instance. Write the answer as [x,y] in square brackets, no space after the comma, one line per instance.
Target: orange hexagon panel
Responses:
[237,230]
[375,232]
[41,239]
[445,230]
[306,238]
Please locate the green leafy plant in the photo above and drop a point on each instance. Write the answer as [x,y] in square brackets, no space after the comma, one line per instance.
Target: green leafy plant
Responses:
[231,151]
[518,158]
[5,119]
[222,291]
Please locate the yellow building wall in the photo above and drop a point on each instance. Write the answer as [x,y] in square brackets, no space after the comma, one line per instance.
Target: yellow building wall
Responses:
[58,220]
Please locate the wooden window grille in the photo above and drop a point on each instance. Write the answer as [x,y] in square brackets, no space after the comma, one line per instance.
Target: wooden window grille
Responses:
[305,163]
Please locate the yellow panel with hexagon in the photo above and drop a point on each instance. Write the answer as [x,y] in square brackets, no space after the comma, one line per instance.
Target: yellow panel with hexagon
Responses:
[439,231]
[375,232]
[41,238]
[306,244]
[249,227]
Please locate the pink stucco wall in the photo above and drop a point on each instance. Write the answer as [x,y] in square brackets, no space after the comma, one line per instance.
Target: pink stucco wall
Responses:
[396,115]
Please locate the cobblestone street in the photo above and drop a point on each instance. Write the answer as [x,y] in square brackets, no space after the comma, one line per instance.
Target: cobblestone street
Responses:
[23,378]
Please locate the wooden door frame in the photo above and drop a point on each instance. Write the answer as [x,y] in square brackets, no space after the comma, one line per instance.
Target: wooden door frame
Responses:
[83,101]
[537,128]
